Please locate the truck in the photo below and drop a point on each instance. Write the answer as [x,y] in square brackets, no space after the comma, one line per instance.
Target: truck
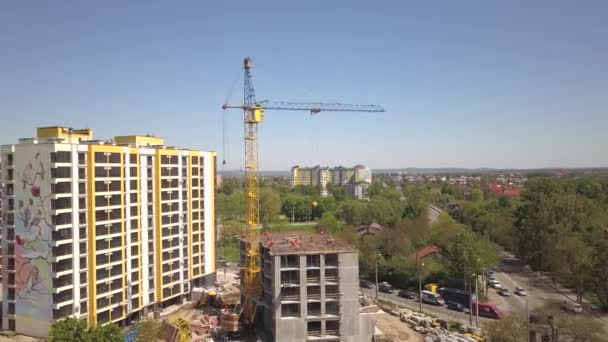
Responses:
[461,297]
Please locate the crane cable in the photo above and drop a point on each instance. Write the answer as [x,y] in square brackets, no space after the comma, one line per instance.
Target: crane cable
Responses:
[225,146]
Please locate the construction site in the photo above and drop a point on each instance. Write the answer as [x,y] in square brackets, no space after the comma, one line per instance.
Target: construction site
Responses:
[292,286]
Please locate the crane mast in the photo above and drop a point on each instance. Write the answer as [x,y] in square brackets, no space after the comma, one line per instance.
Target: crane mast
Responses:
[253,114]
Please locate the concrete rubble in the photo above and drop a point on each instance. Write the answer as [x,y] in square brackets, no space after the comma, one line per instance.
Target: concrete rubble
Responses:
[435,330]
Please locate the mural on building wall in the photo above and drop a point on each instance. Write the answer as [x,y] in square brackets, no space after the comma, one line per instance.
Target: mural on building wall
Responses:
[33,250]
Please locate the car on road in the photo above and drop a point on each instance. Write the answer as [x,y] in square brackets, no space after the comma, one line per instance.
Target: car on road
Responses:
[385,287]
[457,307]
[429,297]
[504,292]
[366,284]
[520,291]
[407,294]
[491,274]
[495,284]
[572,307]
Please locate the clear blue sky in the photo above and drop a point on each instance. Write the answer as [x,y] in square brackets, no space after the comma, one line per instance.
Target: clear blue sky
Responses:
[471,84]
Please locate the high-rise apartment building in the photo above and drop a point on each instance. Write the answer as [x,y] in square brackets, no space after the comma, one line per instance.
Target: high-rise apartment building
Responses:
[356,179]
[311,289]
[106,231]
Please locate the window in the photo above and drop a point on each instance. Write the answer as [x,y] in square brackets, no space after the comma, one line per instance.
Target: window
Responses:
[314,328]
[61,157]
[61,172]
[290,310]
[10,219]
[332,308]
[331,260]
[81,158]
[313,261]
[314,309]
[332,328]
[61,203]
[61,188]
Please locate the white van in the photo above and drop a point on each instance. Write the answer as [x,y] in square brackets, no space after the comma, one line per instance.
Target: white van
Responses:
[429,297]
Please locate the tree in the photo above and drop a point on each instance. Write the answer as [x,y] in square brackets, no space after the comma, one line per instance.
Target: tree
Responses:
[352,212]
[476,195]
[69,329]
[574,258]
[330,222]
[107,333]
[512,328]
[599,267]
[73,329]
[149,330]
[270,205]
[470,254]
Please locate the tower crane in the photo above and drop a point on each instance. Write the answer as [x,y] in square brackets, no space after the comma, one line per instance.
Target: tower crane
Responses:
[253,114]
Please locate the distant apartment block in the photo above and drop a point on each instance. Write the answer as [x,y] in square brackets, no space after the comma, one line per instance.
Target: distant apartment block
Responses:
[105,231]
[311,289]
[356,179]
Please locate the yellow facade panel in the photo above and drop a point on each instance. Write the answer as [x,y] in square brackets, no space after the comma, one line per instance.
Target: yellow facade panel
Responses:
[140,140]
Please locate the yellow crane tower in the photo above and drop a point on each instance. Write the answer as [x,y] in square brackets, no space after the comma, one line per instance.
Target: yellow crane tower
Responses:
[253,113]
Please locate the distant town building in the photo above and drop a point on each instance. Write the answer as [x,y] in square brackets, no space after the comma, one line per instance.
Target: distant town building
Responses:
[311,289]
[357,179]
[106,231]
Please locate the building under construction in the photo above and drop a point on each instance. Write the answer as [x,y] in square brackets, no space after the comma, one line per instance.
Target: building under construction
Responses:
[310,289]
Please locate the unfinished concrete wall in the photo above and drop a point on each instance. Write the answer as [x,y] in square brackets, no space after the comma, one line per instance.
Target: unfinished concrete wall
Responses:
[338,312]
[349,299]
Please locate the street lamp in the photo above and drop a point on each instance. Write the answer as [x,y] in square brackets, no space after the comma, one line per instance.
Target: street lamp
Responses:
[419,284]
[379,255]
[312,210]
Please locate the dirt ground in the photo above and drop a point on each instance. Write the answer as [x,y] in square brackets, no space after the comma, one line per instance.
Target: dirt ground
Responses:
[393,328]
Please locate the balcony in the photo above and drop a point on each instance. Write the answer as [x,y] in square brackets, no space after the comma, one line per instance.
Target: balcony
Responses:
[332,328]
[107,186]
[314,309]
[314,329]
[313,276]
[332,292]
[331,276]
[313,293]
[290,278]
[61,266]
[63,234]
[62,297]
[290,294]
[62,252]
[63,312]
[63,281]
[332,308]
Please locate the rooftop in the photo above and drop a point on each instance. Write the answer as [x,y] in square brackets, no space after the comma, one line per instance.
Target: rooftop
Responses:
[298,242]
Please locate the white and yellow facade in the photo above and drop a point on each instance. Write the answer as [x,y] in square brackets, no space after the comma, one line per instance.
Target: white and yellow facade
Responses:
[104,231]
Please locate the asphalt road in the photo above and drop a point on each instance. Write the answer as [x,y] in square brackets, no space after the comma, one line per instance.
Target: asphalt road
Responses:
[440,311]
